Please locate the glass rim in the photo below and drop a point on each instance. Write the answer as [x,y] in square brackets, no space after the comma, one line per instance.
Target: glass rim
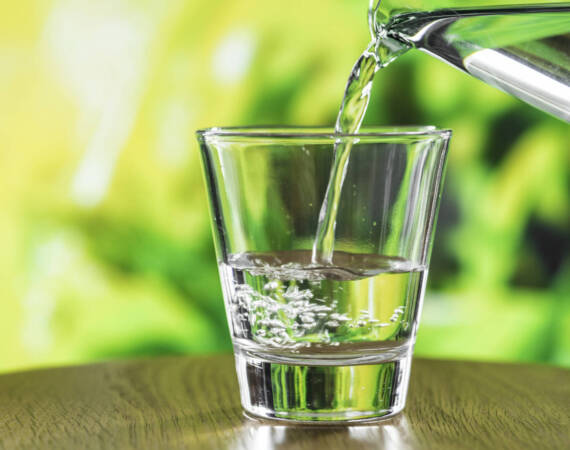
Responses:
[300,132]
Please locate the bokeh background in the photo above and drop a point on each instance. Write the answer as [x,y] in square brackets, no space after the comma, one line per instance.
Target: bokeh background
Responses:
[104,233]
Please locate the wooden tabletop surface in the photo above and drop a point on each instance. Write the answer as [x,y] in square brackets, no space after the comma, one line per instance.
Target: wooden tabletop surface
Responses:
[189,402]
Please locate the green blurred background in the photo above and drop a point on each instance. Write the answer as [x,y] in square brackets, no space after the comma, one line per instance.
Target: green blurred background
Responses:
[106,245]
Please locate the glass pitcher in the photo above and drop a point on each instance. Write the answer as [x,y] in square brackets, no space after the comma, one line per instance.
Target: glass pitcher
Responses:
[523,49]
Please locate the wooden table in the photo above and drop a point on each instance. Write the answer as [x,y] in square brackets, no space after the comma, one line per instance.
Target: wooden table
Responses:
[185,402]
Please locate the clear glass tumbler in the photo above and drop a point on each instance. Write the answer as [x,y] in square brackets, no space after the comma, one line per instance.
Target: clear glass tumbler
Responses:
[323,341]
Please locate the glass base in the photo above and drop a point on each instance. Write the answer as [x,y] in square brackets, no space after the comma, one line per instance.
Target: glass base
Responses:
[322,394]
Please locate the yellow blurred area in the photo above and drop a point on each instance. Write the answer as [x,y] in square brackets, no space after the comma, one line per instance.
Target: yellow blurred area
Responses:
[100,101]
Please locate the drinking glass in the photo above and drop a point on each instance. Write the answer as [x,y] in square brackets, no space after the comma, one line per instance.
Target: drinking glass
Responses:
[323,341]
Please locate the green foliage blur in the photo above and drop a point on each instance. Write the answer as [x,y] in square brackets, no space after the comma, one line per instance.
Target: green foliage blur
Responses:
[104,228]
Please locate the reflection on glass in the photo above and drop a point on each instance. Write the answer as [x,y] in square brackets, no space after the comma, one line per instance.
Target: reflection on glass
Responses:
[394,434]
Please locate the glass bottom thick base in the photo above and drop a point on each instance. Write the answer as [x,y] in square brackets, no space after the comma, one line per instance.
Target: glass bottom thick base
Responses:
[322,394]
